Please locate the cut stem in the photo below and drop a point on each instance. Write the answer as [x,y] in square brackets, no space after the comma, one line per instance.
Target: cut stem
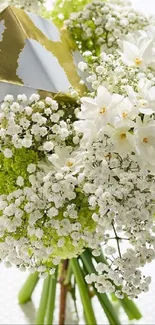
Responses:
[51,299]
[26,291]
[43,303]
[63,293]
[103,298]
[82,286]
[131,309]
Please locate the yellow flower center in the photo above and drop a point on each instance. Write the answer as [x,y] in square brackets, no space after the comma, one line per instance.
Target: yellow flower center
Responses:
[124,115]
[138,61]
[145,140]
[123,136]
[69,164]
[103,110]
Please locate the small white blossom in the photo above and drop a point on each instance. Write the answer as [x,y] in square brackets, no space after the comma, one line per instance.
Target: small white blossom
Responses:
[8,153]
[48,146]
[31,168]
[9,98]
[82,66]
[20,181]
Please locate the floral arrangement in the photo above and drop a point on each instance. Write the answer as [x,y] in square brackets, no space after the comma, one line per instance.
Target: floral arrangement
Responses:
[79,175]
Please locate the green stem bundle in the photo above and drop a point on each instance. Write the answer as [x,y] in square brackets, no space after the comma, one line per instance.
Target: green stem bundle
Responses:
[70,275]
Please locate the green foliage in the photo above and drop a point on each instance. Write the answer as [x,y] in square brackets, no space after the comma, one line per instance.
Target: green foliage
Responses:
[65,8]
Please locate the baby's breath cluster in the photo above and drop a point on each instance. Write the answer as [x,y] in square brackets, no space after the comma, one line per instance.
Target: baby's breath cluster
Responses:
[119,181]
[118,128]
[44,215]
[123,196]
[129,65]
[100,24]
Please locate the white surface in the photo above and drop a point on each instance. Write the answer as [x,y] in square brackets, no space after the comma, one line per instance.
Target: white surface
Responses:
[11,279]
[11,313]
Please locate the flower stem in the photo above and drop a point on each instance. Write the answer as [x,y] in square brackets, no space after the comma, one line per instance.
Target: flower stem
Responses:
[88,310]
[103,298]
[69,272]
[43,302]
[51,299]
[63,293]
[28,288]
[131,309]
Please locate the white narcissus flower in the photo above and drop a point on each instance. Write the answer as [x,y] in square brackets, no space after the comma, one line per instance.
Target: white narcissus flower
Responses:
[100,109]
[147,101]
[124,113]
[144,100]
[122,139]
[144,137]
[66,159]
[141,55]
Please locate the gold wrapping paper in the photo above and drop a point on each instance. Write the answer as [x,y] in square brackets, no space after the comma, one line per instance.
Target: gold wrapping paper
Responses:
[35,56]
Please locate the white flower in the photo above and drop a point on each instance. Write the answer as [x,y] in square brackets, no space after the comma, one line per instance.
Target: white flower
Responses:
[38,118]
[22,98]
[82,66]
[20,181]
[61,16]
[146,92]
[54,105]
[100,109]
[48,146]
[122,139]
[28,110]
[66,159]
[27,141]
[31,168]
[34,98]
[138,56]
[24,122]
[144,136]
[52,271]
[124,113]
[15,107]
[8,153]
[9,98]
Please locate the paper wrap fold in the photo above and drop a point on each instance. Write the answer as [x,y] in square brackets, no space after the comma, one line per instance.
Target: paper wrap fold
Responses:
[35,56]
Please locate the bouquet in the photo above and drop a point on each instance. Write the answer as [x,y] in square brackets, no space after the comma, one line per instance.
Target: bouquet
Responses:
[77,154]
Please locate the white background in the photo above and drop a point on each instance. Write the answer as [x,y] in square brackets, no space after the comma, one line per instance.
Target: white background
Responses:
[11,279]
